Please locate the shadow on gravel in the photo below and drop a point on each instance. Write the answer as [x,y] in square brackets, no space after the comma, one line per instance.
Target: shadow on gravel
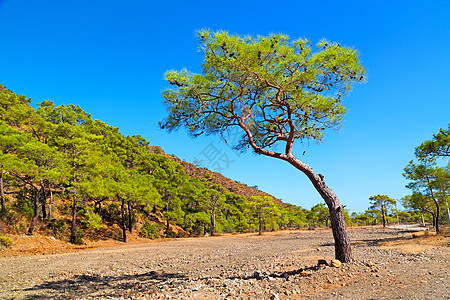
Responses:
[371,242]
[100,286]
[265,275]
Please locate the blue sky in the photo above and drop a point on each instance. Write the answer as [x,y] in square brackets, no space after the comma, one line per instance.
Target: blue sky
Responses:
[109,57]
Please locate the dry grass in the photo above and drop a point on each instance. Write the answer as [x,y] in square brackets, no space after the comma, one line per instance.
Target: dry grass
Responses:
[419,242]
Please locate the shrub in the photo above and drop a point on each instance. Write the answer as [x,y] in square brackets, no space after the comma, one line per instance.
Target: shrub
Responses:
[24,206]
[149,231]
[5,241]
[9,217]
[91,219]
[170,233]
[79,235]
[57,228]
[111,213]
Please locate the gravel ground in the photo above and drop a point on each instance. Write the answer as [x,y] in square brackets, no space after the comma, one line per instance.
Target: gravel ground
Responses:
[282,265]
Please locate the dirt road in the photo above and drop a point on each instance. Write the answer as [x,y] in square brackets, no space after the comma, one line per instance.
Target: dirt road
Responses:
[281,265]
[409,227]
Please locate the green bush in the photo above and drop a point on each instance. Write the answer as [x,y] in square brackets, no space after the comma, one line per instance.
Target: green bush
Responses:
[149,231]
[10,217]
[79,235]
[25,206]
[91,219]
[57,228]
[5,241]
[111,213]
[170,233]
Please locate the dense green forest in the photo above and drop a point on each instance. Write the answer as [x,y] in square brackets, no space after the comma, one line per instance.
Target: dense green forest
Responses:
[68,175]
[64,174]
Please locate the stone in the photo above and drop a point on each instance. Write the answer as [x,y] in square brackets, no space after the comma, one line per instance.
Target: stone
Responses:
[305,273]
[335,263]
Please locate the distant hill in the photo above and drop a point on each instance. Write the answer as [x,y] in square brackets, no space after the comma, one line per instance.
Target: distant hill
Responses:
[217,178]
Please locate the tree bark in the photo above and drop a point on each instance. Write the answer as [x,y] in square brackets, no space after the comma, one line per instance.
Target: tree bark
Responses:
[167,226]
[98,205]
[130,216]
[124,226]
[423,220]
[74,204]
[74,218]
[438,214]
[436,203]
[2,193]
[342,248]
[44,203]
[383,216]
[49,217]
[36,212]
[213,224]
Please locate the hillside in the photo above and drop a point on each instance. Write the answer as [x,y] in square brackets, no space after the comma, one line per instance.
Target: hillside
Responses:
[67,175]
[217,178]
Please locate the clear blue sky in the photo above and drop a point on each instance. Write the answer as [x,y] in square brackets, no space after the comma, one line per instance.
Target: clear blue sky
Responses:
[109,57]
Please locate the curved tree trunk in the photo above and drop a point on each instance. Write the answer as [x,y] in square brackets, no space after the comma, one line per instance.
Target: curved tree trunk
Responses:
[342,248]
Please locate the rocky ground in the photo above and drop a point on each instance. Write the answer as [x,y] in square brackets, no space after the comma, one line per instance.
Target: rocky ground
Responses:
[389,264]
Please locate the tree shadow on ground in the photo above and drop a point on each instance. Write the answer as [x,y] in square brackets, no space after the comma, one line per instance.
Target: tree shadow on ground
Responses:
[266,275]
[97,286]
[374,241]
